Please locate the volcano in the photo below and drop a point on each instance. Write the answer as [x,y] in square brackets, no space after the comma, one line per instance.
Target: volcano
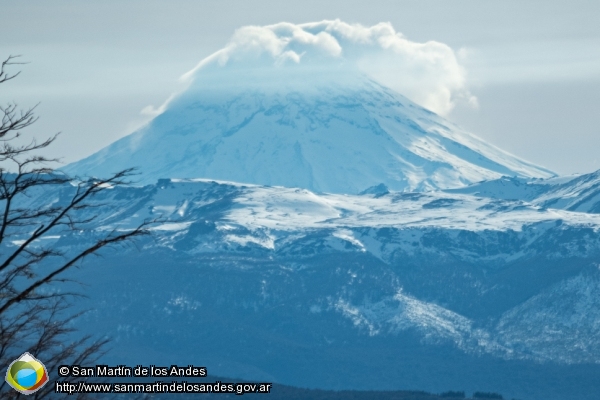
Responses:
[335,136]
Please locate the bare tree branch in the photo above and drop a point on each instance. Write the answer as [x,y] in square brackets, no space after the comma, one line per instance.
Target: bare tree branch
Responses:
[4,76]
[32,310]
[24,293]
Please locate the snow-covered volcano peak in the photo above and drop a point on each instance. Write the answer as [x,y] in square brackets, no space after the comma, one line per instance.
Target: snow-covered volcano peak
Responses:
[315,106]
[334,137]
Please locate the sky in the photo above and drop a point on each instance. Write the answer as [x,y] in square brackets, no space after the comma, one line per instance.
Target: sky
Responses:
[99,68]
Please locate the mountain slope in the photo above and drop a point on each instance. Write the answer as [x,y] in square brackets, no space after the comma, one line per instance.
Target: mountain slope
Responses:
[207,217]
[429,291]
[337,138]
[574,193]
[386,290]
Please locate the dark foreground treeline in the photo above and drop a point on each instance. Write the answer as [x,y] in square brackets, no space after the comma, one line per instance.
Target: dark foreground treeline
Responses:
[281,392]
[284,392]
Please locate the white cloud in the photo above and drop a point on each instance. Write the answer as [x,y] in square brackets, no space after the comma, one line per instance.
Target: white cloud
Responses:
[428,73]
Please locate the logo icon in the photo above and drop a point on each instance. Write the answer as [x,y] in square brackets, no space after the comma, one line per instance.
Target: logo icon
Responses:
[26,374]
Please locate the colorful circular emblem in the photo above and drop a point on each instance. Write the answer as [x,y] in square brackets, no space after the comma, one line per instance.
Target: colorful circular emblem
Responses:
[26,374]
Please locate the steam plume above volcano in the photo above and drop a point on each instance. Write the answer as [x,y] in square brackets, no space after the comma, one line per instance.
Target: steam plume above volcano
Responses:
[428,73]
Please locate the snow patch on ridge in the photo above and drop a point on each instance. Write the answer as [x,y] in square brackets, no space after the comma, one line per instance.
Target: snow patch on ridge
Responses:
[403,312]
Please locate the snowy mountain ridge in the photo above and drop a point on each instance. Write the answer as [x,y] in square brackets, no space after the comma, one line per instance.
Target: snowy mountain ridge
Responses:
[574,193]
[209,217]
[268,215]
[288,269]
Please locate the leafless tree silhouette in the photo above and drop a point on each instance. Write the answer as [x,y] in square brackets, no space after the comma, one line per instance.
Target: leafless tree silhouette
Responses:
[34,315]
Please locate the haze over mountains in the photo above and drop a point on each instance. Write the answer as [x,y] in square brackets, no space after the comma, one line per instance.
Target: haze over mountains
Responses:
[269,264]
